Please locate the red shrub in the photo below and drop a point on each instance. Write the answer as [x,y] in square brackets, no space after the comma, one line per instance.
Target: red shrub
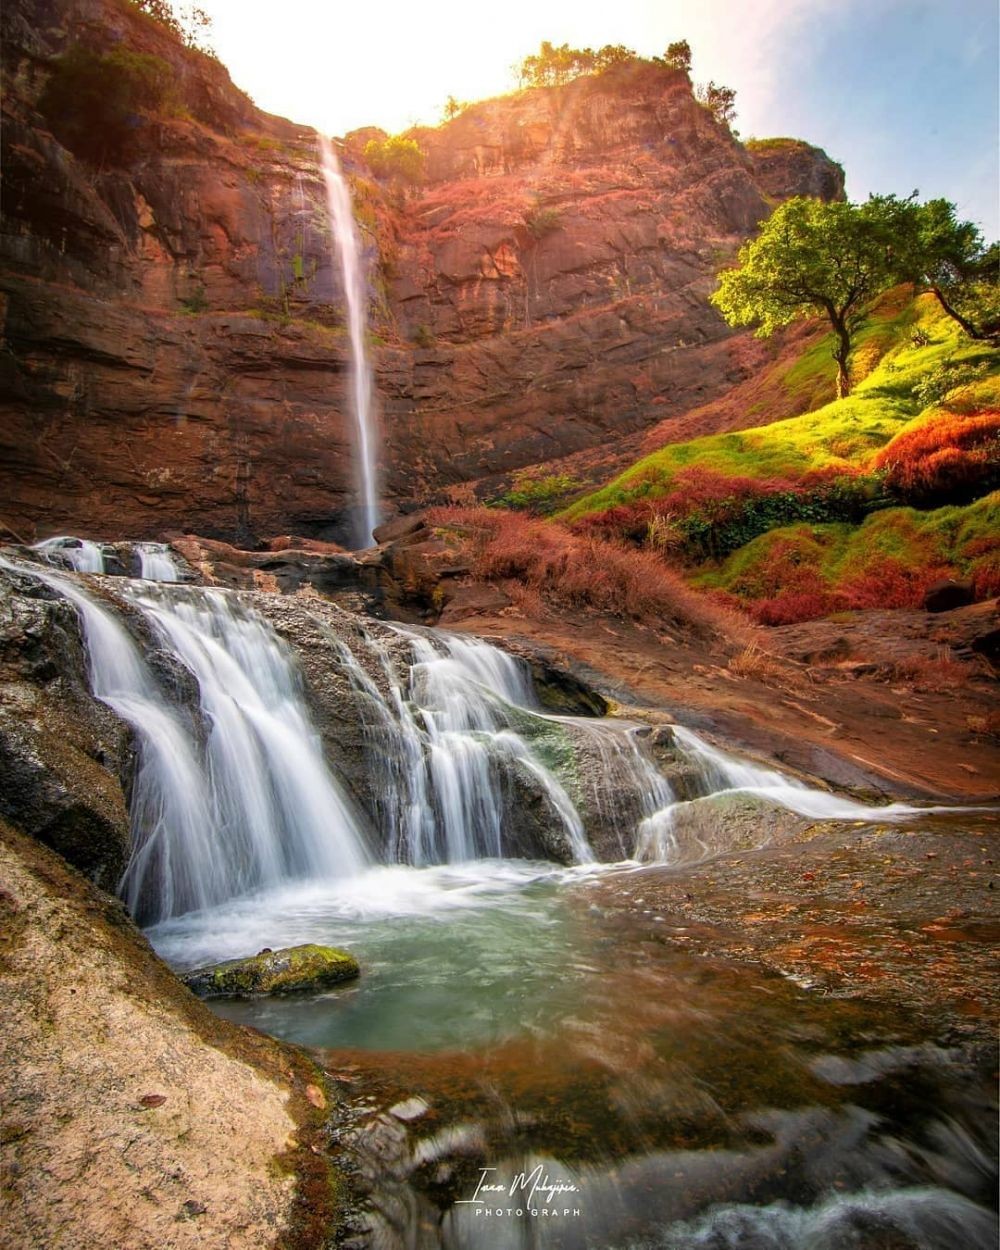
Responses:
[584,571]
[886,583]
[951,459]
[986,579]
[791,606]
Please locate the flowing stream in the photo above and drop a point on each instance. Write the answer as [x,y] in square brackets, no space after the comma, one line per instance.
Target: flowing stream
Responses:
[523,1008]
[347,247]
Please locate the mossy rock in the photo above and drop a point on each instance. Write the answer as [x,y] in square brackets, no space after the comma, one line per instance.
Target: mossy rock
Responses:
[289,971]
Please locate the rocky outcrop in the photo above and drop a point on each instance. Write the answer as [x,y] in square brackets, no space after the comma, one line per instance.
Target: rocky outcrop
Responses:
[292,970]
[173,352]
[132,1115]
[62,753]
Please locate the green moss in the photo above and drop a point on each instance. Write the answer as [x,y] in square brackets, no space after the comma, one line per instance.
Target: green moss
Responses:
[297,968]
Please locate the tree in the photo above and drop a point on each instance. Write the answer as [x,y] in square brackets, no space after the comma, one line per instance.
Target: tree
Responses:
[96,103]
[720,102]
[396,158]
[950,258]
[811,257]
[678,56]
[552,66]
[190,24]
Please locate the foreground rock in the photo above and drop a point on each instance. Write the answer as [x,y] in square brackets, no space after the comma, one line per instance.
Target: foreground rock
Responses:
[132,1116]
[289,971]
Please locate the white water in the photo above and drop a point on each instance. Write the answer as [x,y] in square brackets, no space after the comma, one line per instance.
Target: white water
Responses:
[725,774]
[275,810]
[248,803]
[445,745]
[82,555]
[344,236]
[236,796]
[156,563]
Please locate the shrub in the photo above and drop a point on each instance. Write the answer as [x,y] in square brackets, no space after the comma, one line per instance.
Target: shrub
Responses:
[585,572]
[398,159]
[539,494]
[540,221]
[935,385]
[936,675]
[946,459]
[791,607]
[753,662]
[886,582]
[707,514]
[95,103]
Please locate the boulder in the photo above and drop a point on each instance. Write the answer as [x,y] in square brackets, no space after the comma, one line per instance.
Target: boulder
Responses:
[947,594]
[289,971]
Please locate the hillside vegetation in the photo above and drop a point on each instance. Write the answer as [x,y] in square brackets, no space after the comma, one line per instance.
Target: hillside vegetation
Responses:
[862,502]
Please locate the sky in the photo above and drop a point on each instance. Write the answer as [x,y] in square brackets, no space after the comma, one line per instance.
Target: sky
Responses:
[903,93]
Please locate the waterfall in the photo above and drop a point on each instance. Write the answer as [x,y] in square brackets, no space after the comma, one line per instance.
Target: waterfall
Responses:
[240,800]
[156,562]
[345,242]
[232,794]
[82,555]
[451,746]
[718,774]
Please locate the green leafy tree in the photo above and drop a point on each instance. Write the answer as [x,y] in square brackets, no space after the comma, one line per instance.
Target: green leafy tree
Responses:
[720,102]
[814,258]
[678,56]
[553,65]
[950,258]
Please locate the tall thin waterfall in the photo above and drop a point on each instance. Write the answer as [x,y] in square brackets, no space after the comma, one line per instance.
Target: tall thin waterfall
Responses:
[344,237]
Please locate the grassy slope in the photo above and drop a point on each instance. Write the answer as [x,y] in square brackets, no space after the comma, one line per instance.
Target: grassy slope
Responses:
[841,434]
[888,558]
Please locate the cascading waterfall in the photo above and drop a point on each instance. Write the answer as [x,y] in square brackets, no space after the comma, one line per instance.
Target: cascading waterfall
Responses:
[444,743]
[237,796]
[156,563]
[82,555]
[719,774]
[347,248]
[241,802]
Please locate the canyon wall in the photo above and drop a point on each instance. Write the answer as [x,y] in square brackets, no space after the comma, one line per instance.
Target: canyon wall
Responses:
[174,354]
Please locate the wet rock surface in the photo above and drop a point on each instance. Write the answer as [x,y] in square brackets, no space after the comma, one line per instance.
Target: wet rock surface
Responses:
[291,970]
[61,751]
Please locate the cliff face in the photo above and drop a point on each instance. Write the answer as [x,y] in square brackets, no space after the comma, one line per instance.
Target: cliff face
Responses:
[173,350]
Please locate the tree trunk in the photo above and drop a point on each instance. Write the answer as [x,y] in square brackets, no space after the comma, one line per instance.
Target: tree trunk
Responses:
[972,331]
[840,355]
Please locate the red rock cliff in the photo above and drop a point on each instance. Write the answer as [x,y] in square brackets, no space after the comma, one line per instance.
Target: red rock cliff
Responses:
[173,352]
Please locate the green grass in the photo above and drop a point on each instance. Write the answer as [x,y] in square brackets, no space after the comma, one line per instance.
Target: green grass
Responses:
[842,434]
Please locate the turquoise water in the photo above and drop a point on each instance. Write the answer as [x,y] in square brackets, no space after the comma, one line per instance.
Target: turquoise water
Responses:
[690,1101]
